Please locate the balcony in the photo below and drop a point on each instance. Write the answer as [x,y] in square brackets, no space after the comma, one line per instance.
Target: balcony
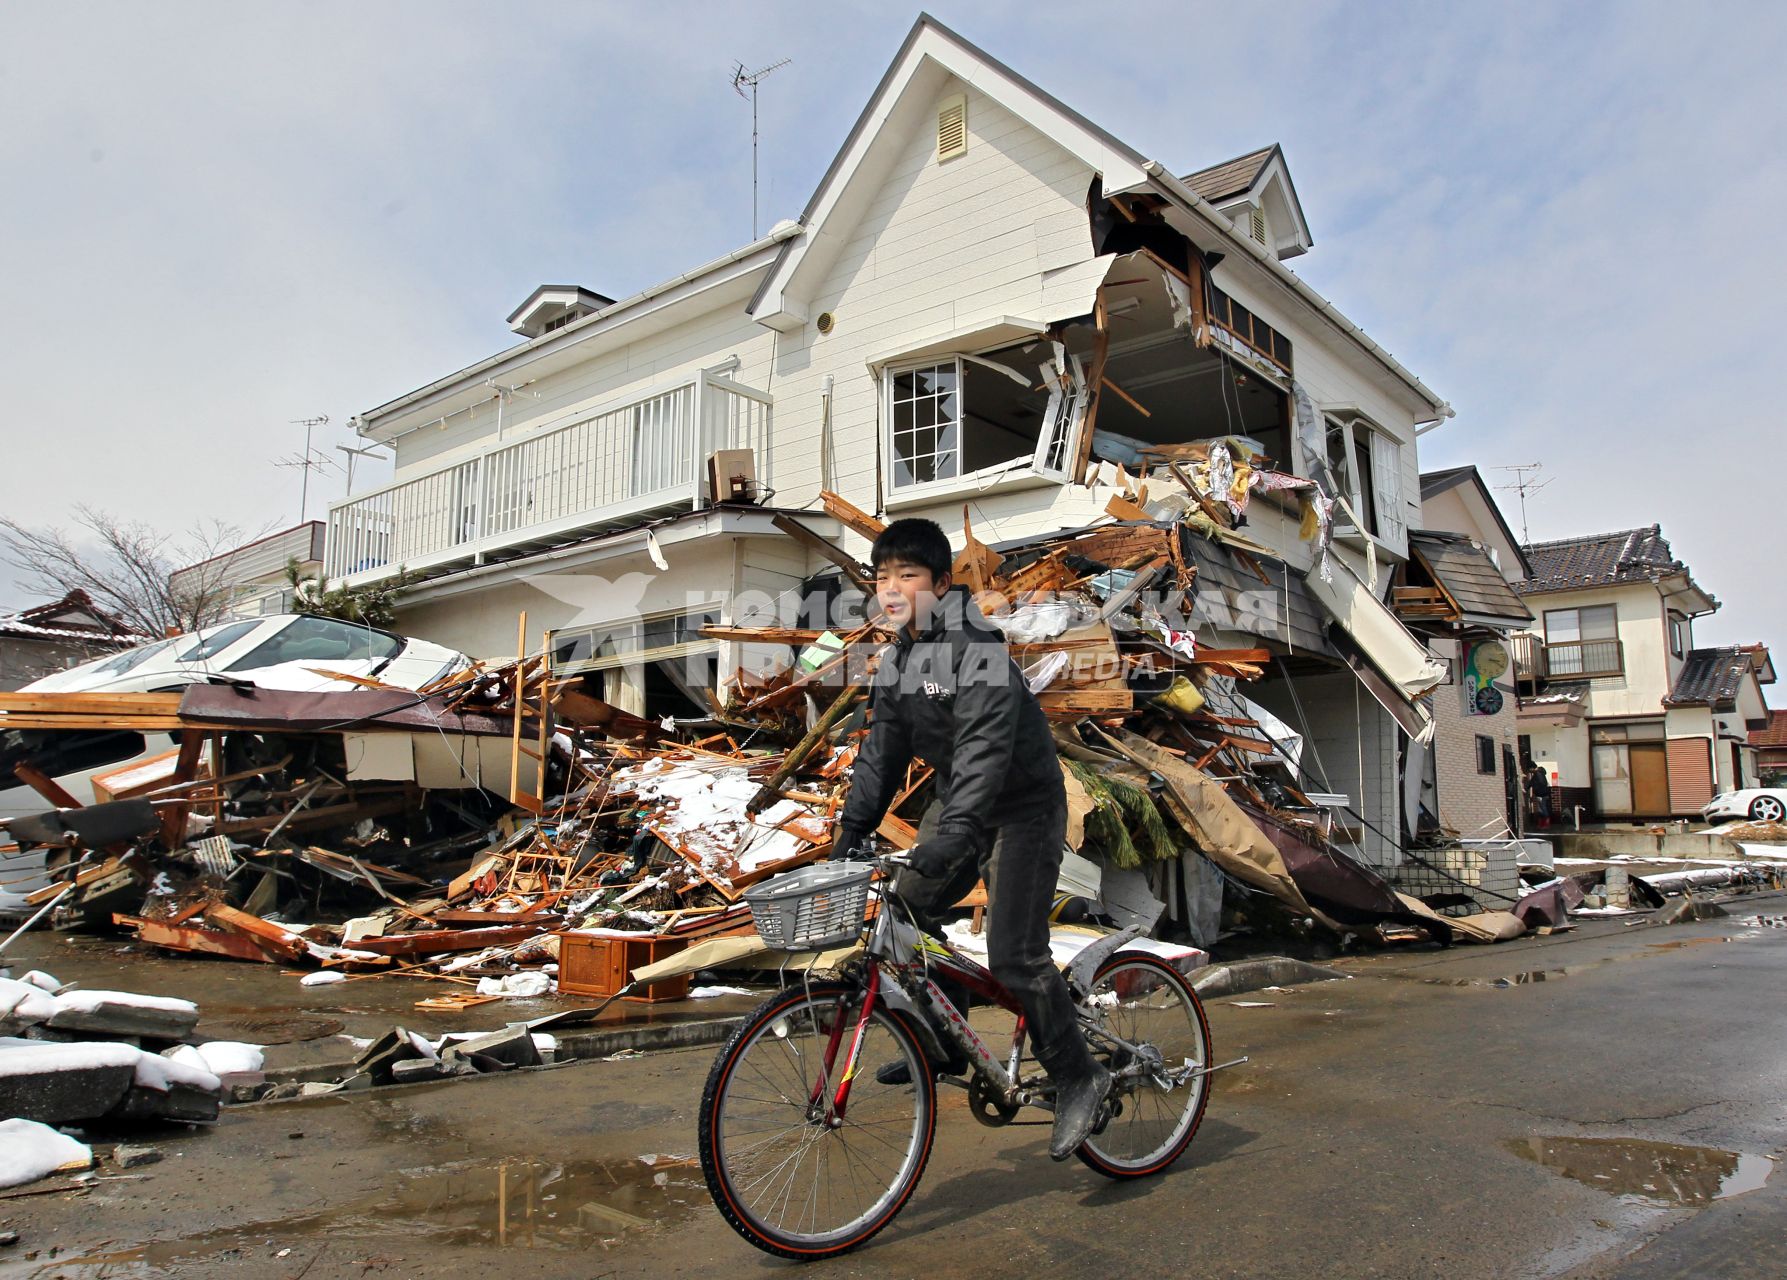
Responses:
[1566,659]
[644,457]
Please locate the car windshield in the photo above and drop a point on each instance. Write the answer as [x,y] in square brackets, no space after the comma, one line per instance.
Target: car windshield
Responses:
[319,640]
[215,641]
[131,659]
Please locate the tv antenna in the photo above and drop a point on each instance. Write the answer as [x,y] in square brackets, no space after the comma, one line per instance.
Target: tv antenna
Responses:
[371,454]
[310,460]
[741,78]
[1526,480]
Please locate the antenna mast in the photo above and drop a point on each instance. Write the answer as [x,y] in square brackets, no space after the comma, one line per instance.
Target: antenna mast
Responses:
[308,461]
[741,78]
[1523,486]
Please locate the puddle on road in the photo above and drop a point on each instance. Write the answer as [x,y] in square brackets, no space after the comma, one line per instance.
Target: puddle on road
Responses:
[1658,1173]
[518,1204]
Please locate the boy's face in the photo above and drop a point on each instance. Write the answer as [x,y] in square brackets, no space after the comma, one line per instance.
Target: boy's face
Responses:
[906,593]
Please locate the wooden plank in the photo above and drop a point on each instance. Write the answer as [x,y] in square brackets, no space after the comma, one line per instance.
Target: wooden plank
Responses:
[1127,398]
[852,517]
[44,785]
[441,941]
[173,819]
[1122,508]
[1085,701]
[191,938]
[95,704]
[270,936]
[813,542]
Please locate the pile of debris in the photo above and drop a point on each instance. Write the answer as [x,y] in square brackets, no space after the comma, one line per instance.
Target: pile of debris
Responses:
[506,831]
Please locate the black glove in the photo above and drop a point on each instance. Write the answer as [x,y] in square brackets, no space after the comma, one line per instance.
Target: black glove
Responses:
[850,845]
[937,857]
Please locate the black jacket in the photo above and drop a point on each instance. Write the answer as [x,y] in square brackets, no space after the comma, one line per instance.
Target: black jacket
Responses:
[954,698]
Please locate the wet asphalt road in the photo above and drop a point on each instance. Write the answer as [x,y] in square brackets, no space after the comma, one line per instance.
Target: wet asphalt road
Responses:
[1411,1121]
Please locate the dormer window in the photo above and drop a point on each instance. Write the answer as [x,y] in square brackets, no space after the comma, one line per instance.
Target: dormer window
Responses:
[553,306]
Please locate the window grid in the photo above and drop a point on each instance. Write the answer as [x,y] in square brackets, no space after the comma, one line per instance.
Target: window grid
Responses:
[927,424]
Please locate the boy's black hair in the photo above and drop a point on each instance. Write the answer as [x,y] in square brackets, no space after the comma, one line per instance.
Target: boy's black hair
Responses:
[914,541]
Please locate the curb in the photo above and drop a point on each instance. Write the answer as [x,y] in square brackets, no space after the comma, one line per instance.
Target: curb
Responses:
[591,1044]
[1212,983]
[1252,975]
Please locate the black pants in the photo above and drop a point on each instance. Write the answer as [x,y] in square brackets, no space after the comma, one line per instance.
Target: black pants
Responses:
[1020,865]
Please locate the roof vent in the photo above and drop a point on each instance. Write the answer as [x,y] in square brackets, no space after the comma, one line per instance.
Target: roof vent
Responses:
[952,127]
[1256,226]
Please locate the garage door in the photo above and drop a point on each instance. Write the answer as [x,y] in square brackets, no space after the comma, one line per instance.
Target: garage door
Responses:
[1690,774]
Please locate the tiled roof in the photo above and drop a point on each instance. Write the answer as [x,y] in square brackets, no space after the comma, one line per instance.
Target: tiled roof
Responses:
[1773,736]
[1599,560]
[1231,177]
[1713,677]
[47,622]
[1468,575]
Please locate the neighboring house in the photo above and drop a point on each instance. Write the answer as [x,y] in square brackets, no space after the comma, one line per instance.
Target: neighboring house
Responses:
[1628,717]
[988,303]
[251,580]
[52,637]
[1770,745]
[1455,590]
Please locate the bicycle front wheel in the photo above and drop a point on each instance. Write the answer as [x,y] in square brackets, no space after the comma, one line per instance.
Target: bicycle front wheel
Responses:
[1149,1006]
[790,1177]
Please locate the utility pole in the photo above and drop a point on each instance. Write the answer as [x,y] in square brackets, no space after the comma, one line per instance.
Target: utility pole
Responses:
[741,78]
[1523,486]
[310,460]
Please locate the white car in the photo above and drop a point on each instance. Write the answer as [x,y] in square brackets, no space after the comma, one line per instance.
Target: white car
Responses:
[1757,804]
[284,651]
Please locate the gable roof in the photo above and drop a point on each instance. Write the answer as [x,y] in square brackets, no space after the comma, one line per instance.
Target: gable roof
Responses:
[1467,574]
[930,55]
[1714,677]
[1604,560]
[73,617]
[1232,177]
[1434,483]
[1120,168]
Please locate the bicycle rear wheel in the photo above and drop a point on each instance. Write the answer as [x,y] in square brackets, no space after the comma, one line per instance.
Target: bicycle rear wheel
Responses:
[1147,1003]
[788,1180]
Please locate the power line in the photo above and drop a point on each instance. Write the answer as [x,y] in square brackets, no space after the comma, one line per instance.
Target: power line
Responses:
[741,78]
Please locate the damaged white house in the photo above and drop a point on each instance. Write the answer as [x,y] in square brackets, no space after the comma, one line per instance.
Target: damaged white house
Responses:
[988,306]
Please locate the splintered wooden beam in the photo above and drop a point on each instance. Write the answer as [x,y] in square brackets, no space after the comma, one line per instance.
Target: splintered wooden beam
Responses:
[852,517]
[813,542]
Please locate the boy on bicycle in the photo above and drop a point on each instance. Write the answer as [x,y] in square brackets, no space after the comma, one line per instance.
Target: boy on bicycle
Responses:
[948,692]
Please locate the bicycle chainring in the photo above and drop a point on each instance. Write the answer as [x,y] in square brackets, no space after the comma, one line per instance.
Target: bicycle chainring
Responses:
[988,1107]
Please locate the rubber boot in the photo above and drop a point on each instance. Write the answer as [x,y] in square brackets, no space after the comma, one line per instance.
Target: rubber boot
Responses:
[1077,1105]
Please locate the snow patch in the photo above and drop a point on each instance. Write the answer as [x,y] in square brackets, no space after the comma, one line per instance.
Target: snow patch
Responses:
[29,1151]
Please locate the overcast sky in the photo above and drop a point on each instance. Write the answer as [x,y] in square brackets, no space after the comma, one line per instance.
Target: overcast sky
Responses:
[218,218]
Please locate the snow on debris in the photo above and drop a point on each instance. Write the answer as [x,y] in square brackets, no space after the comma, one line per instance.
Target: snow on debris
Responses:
[41,1057]
[29,1151]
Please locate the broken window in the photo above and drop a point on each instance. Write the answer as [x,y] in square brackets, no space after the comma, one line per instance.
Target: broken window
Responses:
[969,414]
[1367,463]
[655,666]
[1583,642]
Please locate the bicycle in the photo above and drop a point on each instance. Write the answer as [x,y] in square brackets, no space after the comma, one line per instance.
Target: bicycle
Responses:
[808,1155]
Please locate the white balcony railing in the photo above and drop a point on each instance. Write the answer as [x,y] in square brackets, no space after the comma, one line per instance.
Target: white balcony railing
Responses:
[644,456]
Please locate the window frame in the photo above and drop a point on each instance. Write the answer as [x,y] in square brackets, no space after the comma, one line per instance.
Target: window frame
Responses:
[1058,436]
[1374,490]
[1486,751]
